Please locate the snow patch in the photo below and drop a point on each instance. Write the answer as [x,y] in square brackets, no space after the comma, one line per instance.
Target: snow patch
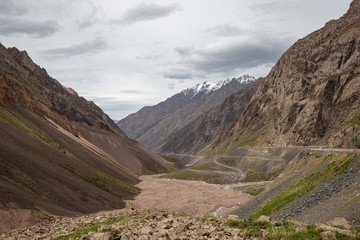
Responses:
[208,87]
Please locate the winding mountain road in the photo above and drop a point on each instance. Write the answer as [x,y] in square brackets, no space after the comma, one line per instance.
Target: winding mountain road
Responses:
[237,170]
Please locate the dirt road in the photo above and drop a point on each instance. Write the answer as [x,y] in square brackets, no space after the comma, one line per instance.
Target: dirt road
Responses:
[191,197]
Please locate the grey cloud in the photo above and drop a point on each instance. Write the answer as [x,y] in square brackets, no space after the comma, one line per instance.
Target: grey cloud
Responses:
[184,51]
[235,53]
[86,48]
[11,26]
[171,85]
[226,30]
[176,73]
[92,17]
[147,11]
[11,7]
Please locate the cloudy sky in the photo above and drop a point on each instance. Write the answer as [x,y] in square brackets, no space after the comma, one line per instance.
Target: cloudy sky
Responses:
[124,55]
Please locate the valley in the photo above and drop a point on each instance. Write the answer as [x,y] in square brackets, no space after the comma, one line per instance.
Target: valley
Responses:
[273,157]
[193,198]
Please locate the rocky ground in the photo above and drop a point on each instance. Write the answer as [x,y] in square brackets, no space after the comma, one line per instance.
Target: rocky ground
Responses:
[154,224]
[128,224]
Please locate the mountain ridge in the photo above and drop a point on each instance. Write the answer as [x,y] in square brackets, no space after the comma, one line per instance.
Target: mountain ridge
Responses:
[59,153]
[151,125]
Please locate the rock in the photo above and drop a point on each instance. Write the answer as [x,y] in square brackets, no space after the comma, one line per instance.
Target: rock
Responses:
[264,218]
[143,237]
[101,236]
[146,230]
[326,235]
[299,229]
[289,219]
[233,217]
[339,221]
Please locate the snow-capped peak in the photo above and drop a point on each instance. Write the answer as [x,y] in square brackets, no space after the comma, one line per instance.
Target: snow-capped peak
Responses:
[246,79]
[208,87]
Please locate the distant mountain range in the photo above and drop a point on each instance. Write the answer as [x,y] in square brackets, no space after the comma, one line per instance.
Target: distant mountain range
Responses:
[151,125]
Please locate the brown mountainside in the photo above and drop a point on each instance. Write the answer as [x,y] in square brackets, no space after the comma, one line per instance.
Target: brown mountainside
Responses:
[58,152]
[151,125]
[312,94]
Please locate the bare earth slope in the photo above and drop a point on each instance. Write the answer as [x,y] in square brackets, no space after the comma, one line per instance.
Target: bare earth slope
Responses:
[60,154]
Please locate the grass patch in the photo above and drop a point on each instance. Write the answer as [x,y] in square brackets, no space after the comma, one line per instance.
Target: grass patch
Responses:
[252,190]
[16,120]
[201,166]
[342,73]
[97,182]
[94,227]
[187,175]
[252,176]
[184,174]
[319,81]
[281,230]
[248,139]
[336,167]
[355,117]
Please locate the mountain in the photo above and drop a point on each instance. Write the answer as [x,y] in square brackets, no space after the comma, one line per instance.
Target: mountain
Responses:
[200,132]
[59,153]
[151,125]
[311,96]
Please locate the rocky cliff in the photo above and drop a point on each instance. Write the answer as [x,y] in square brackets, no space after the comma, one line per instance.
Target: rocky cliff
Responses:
[60,153]
[311,96]
[151,125]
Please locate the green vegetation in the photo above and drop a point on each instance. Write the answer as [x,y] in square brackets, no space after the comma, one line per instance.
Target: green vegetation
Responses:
[187,175]
[18,121]
[97,182]
[319,81]
[336,167]
[252,176]
[183,174]
[342,73]
[355,117]
[201,166]
[100,181]
[93,228]
[248,139]
[251,189]
[282,230]
[119,183]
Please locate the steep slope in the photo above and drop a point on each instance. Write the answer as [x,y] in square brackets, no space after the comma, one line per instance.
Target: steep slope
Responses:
[199,133]
[312,94]
[151,125]
[59,153]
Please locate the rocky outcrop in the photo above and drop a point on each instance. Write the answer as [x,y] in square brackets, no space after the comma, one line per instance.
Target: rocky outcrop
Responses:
[151,125]
[309,93]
